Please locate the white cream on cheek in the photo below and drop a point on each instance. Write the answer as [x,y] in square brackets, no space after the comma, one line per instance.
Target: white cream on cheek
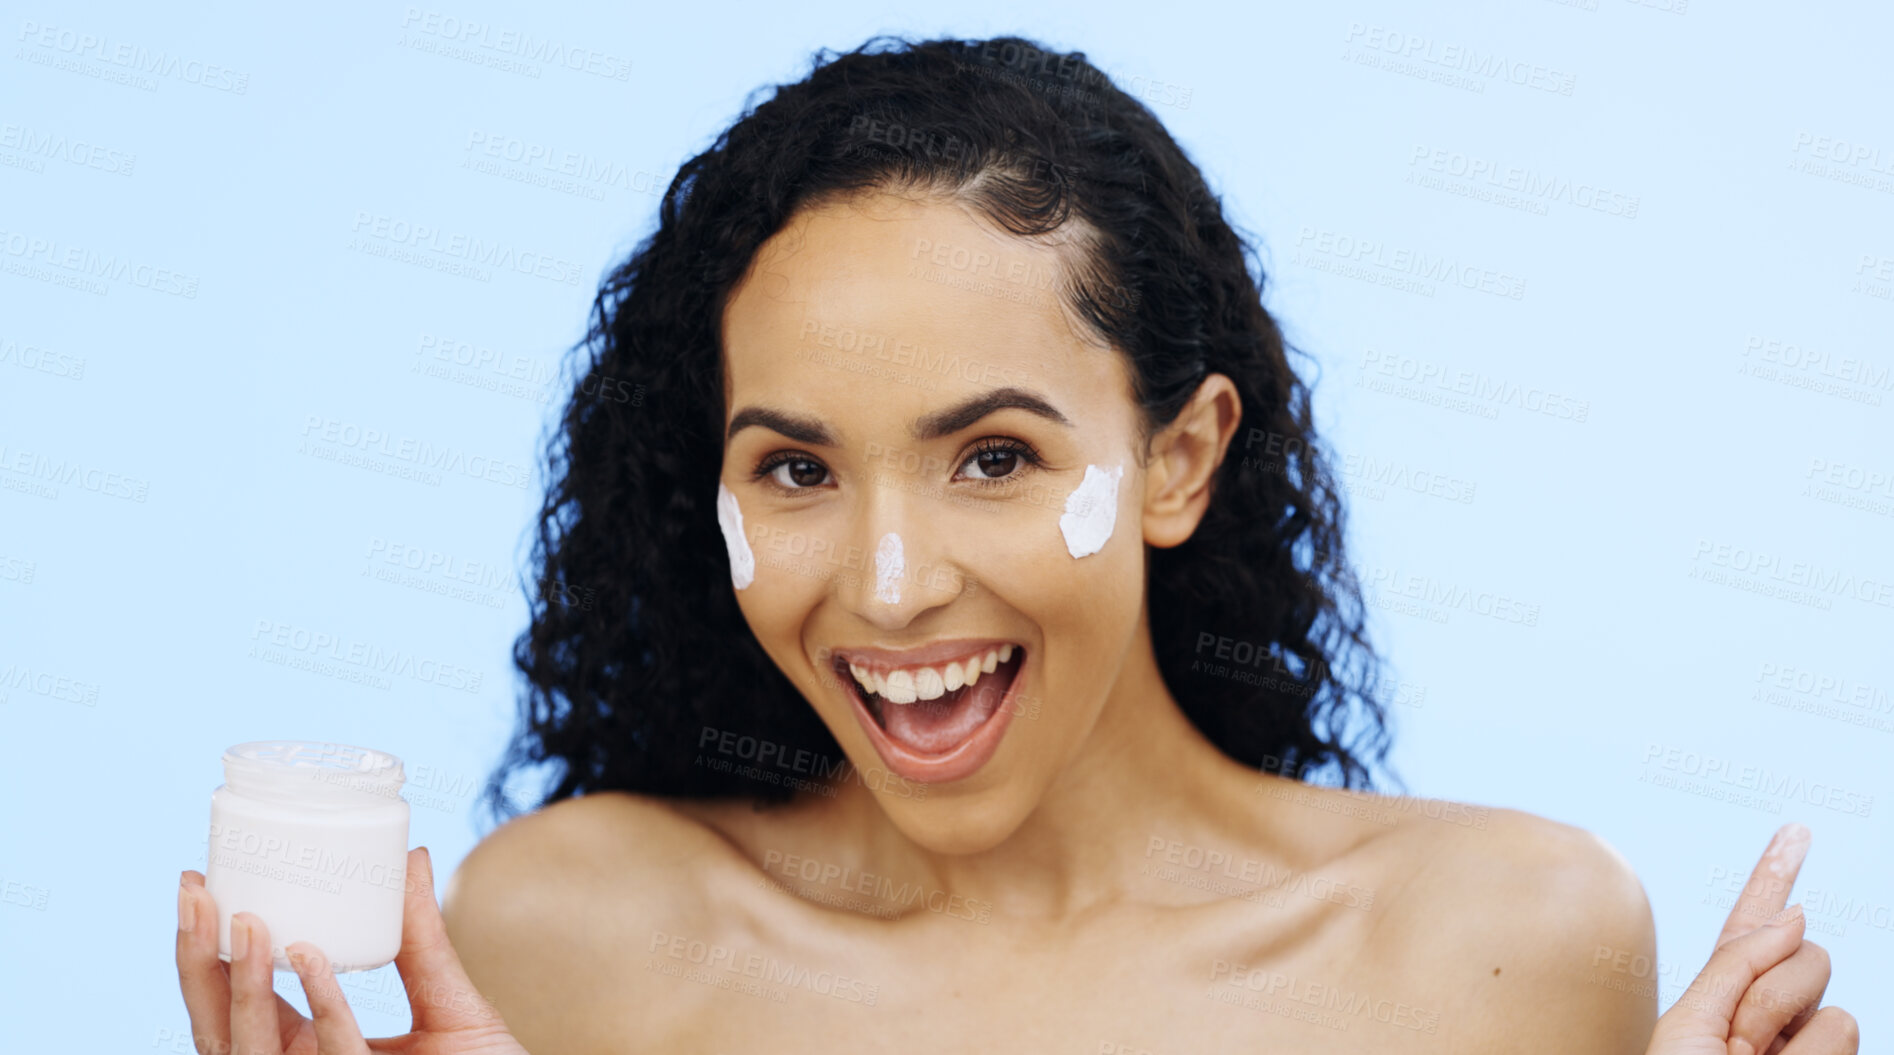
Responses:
[730,520]
[1091,511]
[890,565]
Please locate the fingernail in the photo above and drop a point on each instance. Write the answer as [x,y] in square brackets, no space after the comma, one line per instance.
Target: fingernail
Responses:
[1787,916]
[1789,848]
[239,938]
[1739,1046]
[187,910]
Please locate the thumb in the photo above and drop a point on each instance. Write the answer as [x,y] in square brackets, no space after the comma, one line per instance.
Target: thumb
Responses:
[1706,1008]
[442,997]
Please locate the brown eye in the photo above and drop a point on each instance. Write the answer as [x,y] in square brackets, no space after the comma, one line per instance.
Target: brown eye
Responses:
[799,472]
[995,464]
[997,461]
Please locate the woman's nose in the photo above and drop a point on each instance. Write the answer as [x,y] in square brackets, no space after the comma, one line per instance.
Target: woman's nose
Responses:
[907,570]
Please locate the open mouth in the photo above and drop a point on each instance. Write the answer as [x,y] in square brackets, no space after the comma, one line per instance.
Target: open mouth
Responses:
[937,721]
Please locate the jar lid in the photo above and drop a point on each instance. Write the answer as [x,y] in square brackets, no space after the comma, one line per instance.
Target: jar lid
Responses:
[314,768]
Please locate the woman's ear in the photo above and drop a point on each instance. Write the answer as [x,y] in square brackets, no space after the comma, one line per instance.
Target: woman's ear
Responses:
[1184,459]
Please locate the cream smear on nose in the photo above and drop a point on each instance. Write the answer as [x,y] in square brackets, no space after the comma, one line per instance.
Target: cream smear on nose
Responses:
[890,565]
[730,519]
[1091,511]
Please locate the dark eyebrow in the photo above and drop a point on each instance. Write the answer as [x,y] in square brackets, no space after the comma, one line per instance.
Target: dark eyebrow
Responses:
[933,426]
[954,418]
[802,430]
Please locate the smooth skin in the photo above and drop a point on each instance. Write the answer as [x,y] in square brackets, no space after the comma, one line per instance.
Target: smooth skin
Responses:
[1058,899]
[1760,991]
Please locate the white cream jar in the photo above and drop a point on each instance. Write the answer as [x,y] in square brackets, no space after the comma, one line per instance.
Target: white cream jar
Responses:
[313,838]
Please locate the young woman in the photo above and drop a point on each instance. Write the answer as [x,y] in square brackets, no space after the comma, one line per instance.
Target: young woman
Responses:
[947,614]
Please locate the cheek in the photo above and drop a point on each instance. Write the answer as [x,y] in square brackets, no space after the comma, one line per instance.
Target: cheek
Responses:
[1054,558]
[1091,511]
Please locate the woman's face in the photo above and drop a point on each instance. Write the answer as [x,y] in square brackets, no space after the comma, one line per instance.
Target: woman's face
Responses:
[914,414]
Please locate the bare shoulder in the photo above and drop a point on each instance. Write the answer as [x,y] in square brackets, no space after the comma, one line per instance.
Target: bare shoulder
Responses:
[1517,920]
[547,909]
[533,864]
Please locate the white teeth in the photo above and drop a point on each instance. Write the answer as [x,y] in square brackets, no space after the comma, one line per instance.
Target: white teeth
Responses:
[899,687]
[929,683]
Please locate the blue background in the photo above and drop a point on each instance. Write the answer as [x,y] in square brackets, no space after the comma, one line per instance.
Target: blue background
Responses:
[1688,331]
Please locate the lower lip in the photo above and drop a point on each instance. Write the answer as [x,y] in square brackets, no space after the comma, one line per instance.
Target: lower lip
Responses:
[962,761]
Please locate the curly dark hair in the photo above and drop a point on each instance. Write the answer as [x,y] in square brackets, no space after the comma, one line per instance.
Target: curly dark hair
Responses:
[637,650]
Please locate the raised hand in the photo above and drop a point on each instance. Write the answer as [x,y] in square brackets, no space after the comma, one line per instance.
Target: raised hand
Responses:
[1761,989]
[235,1010]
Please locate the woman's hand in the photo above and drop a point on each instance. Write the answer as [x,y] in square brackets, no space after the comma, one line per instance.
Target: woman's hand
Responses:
[235,1009]
[1759,993]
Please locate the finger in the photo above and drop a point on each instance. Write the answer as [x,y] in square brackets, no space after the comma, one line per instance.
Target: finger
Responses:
[1769,882]
[1789,990]
[254,1029]
[201,975]
[439,991]
[1831,1031]
[1795,1026]
[1707,1007]
[336,1030]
